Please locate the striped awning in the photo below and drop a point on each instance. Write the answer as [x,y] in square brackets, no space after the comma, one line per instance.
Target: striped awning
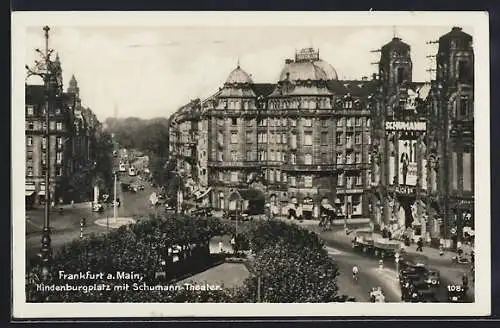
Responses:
[29,192]
[41,193]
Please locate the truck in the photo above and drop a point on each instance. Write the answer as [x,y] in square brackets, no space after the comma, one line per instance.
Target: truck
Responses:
[380,247]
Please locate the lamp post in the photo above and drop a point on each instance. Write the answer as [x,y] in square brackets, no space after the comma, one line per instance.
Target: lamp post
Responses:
[115,205]
[45,70]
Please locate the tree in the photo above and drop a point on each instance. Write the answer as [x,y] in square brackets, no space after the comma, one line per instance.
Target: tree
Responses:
[291,275]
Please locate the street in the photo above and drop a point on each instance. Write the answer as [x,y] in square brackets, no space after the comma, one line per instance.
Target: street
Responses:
[65,227]
[450,273]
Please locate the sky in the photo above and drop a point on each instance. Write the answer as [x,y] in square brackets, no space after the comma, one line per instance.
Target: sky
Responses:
[151,71]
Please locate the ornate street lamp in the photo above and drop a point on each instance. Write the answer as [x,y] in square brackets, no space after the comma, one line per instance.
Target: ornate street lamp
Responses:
[46,71]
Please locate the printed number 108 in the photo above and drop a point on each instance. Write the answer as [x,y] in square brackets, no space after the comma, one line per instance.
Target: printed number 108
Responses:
[454,288]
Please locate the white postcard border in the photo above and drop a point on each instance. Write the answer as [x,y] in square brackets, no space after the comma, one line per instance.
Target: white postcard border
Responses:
[479,21]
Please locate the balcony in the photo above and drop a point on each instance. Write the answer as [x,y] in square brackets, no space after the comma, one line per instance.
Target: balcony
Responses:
[308,168]
[354,166]
[237,164]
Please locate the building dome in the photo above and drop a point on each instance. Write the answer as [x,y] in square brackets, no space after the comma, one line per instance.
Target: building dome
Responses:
[307,66]
[331,73]
[239,76]
[302,71]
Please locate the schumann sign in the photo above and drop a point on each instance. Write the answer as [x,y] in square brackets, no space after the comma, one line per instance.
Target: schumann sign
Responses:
[405,126]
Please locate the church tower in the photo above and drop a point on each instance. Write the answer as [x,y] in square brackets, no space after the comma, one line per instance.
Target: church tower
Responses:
[395,66]
[73,86]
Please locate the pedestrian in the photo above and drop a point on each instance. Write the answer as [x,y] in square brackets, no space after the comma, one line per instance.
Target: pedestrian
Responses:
[472,256]
[459,249]
[221,247]
[72,203]
[233,244]
[420,244]
[441,250]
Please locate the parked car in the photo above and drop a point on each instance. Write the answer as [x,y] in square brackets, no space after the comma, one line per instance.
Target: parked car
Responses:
[235,214]
[97,207]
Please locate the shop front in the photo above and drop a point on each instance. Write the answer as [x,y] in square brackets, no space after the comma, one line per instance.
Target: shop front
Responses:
[308,208]
[30,195]
[41,194]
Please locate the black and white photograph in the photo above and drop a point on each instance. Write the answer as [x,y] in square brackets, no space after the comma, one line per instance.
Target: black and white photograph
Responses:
[205,163]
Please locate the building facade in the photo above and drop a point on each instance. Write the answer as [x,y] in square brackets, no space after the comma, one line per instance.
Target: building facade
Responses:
[303,141]
[451,135]
[422,151]
[69,143]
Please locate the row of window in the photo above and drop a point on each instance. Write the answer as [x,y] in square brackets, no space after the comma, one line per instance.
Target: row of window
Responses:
[30,171]
[30,110]
[306,122]
[288,104]
[59,142]
[29,158]
[350,157]
[58,126]
[262,138]
[278,176]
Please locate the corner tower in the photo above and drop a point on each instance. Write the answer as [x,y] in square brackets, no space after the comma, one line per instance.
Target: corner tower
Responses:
[395,66]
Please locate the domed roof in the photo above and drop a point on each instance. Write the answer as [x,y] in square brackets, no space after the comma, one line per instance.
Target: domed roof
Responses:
[305,71]
[239,76]
[331,73]
[307,66]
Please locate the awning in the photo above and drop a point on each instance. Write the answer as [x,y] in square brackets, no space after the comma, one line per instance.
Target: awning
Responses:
[41,193]
[327,207]
[29,192]
[202,193]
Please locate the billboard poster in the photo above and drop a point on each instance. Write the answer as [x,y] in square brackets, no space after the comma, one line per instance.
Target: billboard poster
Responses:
[407,162]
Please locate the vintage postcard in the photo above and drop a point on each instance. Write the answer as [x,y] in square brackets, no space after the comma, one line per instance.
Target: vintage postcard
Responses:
[250,164]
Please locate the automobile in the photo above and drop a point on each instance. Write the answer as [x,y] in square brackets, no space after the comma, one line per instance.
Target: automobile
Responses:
[235,214]
[418,292]
[125,186]
[97,207]
[433,278]
[429,275]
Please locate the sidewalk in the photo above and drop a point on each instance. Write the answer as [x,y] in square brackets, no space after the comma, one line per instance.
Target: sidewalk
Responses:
[340,235]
